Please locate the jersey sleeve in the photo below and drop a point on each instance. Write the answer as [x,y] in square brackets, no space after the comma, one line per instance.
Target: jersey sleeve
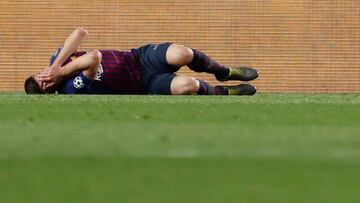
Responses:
[72,57]
[55,55]
[76,84]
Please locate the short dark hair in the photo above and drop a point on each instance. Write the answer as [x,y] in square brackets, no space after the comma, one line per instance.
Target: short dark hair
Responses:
[32,87]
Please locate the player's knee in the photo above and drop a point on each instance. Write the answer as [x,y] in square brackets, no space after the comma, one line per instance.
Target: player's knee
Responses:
[184,55]
[184,85]
[180,55]
[187,55]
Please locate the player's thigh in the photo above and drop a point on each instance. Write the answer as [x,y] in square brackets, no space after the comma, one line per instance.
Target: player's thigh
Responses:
[154,58]
[179,55]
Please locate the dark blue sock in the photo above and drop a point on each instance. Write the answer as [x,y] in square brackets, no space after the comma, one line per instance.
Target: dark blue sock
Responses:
[206,89]
[203,63]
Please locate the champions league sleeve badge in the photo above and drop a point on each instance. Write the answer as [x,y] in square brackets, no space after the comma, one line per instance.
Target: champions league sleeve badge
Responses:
[78,82]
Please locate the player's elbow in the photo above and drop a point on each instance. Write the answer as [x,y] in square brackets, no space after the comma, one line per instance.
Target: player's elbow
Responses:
[96,57]
[94,63]
[82,31]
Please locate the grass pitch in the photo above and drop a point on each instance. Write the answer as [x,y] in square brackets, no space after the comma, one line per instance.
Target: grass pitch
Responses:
[136,149]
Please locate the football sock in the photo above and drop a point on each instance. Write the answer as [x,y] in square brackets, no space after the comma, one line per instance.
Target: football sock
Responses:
[203,63]
[206,89]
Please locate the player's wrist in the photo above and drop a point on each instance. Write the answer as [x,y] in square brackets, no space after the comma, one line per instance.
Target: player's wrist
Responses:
[62,73]
[56,64]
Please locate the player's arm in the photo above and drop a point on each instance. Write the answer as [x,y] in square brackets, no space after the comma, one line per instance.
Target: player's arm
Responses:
[88,63]
[71,44]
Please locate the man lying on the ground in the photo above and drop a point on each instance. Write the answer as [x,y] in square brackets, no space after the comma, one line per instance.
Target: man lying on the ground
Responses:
[149,69]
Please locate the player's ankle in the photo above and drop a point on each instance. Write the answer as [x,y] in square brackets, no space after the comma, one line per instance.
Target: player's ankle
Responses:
[223,75]
[221,90]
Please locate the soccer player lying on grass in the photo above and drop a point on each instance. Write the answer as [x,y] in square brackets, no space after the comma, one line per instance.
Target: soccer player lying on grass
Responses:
[146,70]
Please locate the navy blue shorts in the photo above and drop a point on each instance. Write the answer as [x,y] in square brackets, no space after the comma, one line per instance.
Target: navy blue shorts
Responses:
[156,73]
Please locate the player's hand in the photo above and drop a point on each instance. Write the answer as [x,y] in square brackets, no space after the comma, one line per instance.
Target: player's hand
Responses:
[49,77]
[51,74]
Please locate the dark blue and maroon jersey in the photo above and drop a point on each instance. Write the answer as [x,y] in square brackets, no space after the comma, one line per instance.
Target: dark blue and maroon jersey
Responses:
[118,73]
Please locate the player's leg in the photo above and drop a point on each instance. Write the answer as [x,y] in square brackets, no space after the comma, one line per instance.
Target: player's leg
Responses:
[179,55]
[171,84]
[186,85]
[159,61]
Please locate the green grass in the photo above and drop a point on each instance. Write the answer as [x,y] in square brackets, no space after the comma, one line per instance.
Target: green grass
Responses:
[266,148]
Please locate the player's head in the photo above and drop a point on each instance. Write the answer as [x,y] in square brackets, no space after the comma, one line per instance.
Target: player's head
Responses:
[32,85]
[35,85]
